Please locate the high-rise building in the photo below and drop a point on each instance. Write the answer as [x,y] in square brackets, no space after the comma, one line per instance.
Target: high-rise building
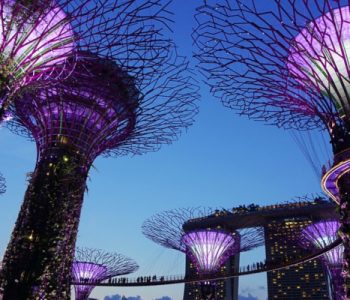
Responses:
[282,224]
[304,281]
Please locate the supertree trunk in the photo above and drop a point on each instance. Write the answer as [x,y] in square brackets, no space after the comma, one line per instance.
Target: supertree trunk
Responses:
[344,231]
[38,260]
[208,291]
[337,283]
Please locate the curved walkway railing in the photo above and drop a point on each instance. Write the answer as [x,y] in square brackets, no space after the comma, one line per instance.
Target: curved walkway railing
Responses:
[329,181]
[175,279]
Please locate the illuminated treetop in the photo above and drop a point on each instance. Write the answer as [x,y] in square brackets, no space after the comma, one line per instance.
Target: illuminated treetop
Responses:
[93,265]
[209,249]
[320,235]
[101,108]
[285,62]
[38,37]
[167,229]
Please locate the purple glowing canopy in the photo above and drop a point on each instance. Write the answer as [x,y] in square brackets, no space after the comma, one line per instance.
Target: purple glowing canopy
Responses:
[34,38]
[87,271]
[94,266]
[209,249]
[321,235]
[92,111]
[319,56]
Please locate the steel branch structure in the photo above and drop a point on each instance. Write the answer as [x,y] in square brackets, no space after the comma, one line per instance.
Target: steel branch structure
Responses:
[93,265]
[39,37]
[2,184]
[319,235]
[285,63]
[208,249]
[134,100]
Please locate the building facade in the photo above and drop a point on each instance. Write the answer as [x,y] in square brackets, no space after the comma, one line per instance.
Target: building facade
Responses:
[304,281]
[281,223]
[222,289]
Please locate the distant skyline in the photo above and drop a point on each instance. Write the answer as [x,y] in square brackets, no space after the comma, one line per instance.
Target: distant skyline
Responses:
[222,161]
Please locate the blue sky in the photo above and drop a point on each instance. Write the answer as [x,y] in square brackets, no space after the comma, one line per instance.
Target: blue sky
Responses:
[222,161]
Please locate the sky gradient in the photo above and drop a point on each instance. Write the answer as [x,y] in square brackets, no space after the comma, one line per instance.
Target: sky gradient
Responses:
[222,161]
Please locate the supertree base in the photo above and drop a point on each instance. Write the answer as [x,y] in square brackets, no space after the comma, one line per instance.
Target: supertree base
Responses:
[38,260]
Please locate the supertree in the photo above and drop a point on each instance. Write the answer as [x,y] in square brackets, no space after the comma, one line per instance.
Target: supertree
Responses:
[2,184]
[319,235]
[129,105]
[287,64]
[95,266]
[39,36]
[208,249]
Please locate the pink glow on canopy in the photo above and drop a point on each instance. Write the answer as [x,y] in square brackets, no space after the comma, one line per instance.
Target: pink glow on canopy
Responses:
[319,56]
[34,43]
[209,249]
[85,271]
[321,235]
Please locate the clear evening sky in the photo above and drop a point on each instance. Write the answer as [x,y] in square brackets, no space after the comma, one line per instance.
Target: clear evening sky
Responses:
[222,161]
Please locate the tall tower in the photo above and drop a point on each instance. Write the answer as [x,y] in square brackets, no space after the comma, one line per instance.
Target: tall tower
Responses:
[304,281]
[287,64]
[134,100]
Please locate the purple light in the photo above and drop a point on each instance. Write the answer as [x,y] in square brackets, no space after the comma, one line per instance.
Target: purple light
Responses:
[209,249]
[319,56]
[36,42]
[321,235]
[94,116]
[87,272]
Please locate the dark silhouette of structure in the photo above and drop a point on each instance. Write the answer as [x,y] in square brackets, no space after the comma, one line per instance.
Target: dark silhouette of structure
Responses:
[286,64]
[133,101]
[2,184]
[93,265]
[183,230]
[319,235]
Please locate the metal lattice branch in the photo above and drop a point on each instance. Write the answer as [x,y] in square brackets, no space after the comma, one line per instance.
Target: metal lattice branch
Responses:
[93,265]
[2,184]
[157,107]
[250,238]
[41,35]
[166,228]
[281,63]
[319,235]
[116,264]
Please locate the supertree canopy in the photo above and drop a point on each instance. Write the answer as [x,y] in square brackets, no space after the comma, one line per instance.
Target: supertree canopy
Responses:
[94,266]
[35,37]
[208,249]
[319,235]
[39,38]
[107,106]
[285,63]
